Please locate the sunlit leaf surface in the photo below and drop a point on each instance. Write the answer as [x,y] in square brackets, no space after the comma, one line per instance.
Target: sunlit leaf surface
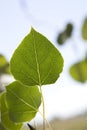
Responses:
[36,61]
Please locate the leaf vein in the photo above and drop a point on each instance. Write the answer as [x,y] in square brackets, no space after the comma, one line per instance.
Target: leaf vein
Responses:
[37,63]
[30,77]
[47,75]
[22,100]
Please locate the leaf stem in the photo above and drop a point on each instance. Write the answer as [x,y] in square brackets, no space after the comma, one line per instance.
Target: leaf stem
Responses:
[43,106]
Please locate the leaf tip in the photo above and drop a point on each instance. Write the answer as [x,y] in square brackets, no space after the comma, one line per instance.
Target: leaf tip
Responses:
[32,28]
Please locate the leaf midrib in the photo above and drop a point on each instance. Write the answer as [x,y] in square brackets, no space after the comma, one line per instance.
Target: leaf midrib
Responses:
[37,63]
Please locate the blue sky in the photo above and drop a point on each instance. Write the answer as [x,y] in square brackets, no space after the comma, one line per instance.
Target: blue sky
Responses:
[48,17]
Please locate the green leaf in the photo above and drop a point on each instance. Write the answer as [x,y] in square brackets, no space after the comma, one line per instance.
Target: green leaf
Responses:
[65,35]
[79,71]
[69,29]
[36,61]
[4,65]
[84,29]
[5,116]
[62,37]
[23,101]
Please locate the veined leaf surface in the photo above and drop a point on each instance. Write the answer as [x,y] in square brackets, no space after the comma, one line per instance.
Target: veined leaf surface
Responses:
[36,61]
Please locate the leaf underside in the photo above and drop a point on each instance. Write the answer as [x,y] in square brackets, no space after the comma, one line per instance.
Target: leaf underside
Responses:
[36,61]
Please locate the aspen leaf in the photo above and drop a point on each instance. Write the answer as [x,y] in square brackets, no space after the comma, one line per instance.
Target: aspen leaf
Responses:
[23,101]
[36,61]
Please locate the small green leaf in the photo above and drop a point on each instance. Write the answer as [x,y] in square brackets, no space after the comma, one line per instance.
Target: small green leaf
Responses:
[69,29]
[84,29]
[79,71]
[23,101]
[5,116]
[63,36]
[36,61]
[4,65]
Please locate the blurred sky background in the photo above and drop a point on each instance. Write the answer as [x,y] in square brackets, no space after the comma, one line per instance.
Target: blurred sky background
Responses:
[66,97]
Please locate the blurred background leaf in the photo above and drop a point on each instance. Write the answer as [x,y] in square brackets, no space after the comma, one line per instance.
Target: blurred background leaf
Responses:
[4,65]
[84,29]
[78,71]
[4,70]
[63,36]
